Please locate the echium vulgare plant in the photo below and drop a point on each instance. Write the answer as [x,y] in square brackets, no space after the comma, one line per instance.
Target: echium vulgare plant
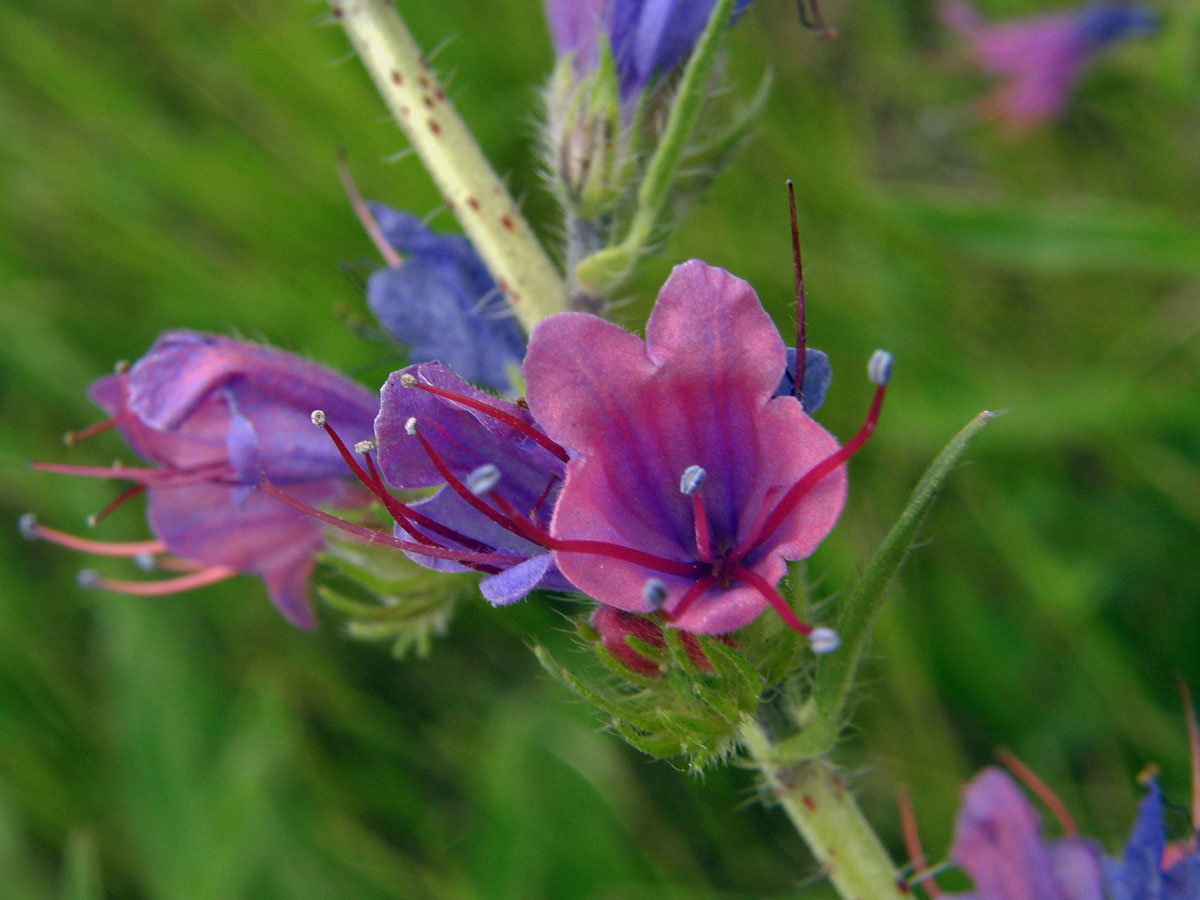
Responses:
[672,485]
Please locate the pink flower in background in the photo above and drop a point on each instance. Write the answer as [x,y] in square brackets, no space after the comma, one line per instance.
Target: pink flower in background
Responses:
[1041,57]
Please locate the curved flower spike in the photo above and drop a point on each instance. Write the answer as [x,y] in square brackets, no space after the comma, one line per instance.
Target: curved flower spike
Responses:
[442,302]
[683,453]
[215,416]
[1042,56]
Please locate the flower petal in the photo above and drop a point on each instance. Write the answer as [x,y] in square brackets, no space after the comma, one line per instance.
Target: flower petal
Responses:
[515,582]
[996,841]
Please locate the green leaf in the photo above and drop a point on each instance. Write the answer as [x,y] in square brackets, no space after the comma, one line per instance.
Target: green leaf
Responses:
[81,869]
[1061,235]
[822,716]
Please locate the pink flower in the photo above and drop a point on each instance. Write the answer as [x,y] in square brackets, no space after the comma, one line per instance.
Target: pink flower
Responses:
[1041,57]
[682,455]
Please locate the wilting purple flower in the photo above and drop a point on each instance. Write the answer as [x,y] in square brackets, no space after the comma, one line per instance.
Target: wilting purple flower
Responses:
[428,439]
[701,483]
[442,302]
[215,416]
[1042,56]
[998,842]
[649,38]
[1146,871]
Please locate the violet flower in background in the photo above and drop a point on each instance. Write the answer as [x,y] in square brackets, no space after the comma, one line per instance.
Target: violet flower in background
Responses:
[997,841]
[1150,869]
[684,455]
[215,416]
[649,38]
[495,461]
[443,304]
[1042,57]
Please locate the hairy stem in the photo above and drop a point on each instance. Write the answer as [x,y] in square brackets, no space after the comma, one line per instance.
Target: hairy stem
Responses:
[825,814]
[477,197]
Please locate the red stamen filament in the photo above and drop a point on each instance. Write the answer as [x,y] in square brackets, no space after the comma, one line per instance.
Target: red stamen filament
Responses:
[175,564]
[500,415]
[520,526]
[912,842]
[404,515]
[165,587]
[1189,711]
[801,328]
[73,437]
[369,224]
[812,478]
[87,545]
[690,596]
[700,518]
[772,596]
[128,494]
[1039,789]
[371,536]
[533,513]
[142,475]
[395,508]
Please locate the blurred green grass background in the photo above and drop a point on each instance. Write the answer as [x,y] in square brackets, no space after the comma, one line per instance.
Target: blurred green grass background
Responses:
[172,164]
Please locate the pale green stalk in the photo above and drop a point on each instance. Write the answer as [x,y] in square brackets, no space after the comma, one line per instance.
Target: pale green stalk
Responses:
[824,812]
[474,193]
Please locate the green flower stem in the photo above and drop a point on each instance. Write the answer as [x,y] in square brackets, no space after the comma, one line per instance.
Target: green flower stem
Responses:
[824,812]
[475,194]
[607,268]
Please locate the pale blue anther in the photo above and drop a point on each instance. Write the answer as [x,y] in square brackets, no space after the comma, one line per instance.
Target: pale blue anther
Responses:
[693,477]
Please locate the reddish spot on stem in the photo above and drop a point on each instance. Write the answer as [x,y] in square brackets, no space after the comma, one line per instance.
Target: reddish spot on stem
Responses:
[809,804]
[422,80]
[473,203]
[428,101]
[507,223]
[441,95]
[397,78]
[435,127]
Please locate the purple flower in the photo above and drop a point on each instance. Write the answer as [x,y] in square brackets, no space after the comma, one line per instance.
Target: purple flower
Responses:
[649,38]
[998,842]
[216,416]
[491,470]
[1149,869]
[698,483]
[1042,57]
[442,302]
